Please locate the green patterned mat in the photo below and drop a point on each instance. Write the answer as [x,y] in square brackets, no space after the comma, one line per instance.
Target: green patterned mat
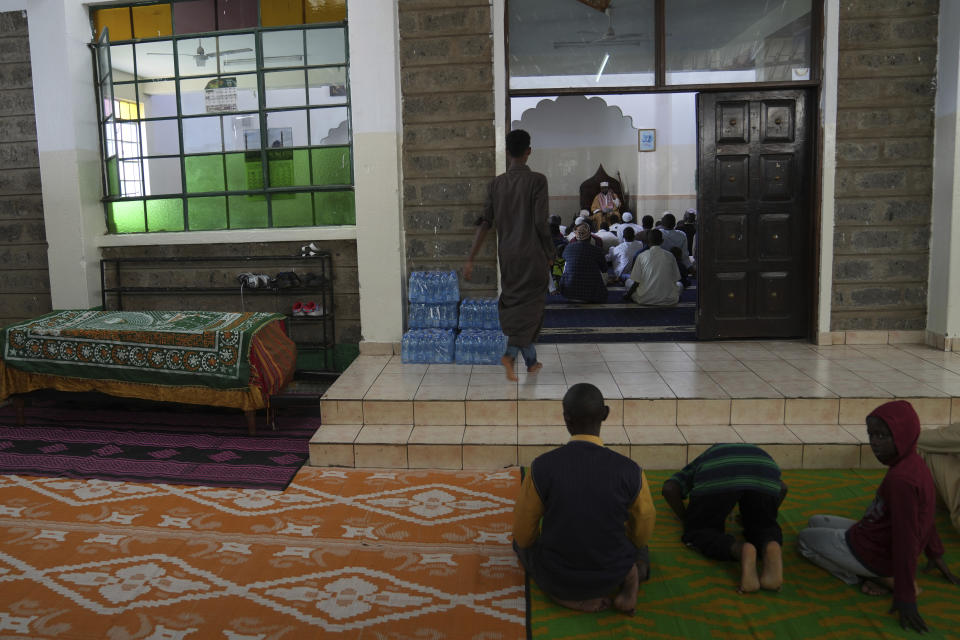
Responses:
[195,348]
[691,597]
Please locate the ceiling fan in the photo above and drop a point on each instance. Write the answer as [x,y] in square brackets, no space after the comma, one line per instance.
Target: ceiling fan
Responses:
[201,56]
[609,37]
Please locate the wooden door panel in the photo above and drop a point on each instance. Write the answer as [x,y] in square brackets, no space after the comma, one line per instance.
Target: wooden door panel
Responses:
[753,198]
[733,174]
[733,229]
[732,121]
[773,295]
[774,237]
[731,294]
[777,117]
[776,177]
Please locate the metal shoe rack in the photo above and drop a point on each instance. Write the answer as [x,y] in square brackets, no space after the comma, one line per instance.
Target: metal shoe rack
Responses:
[210,283]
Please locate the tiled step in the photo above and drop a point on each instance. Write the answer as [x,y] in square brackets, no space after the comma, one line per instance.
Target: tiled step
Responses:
[629,411]
[652,446]
[803,403]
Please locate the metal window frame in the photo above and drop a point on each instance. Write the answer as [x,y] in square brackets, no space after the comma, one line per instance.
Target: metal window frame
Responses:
[262,113]
[660,64]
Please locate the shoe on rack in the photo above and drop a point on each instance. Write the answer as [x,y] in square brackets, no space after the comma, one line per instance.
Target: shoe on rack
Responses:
[313,280]
[247,280]
[309,250]
[309,308]
[298,308]
[286,279]
[265,282]
[316,310]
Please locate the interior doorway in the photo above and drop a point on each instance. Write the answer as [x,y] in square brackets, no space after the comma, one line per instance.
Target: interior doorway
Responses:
[647,145]
[741,161]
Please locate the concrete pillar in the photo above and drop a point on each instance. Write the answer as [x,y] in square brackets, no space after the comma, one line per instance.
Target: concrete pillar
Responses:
[943,306]
[375,97]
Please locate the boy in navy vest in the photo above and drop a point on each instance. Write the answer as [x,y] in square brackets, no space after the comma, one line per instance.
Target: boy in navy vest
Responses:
[584,515]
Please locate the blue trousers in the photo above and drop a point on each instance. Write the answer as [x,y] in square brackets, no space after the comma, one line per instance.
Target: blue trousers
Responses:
[529,353]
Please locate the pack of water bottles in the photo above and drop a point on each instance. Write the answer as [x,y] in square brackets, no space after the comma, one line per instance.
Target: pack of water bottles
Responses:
[479,313]
[434,286]
[432,315]
[480,346]
[428,345]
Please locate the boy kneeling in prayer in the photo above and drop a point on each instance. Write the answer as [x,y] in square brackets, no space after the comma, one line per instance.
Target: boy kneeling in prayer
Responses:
[719,479]
[584,515]
[880,550]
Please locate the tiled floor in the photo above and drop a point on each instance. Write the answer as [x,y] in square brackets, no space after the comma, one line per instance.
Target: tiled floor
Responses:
[668,402]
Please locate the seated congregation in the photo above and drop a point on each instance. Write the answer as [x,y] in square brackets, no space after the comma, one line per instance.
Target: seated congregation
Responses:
[585,515]
[598,250]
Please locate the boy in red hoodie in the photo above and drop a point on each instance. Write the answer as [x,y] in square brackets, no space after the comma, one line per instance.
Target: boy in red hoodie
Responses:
[881,549]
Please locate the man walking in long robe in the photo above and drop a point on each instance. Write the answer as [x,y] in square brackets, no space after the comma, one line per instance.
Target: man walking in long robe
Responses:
[516,206]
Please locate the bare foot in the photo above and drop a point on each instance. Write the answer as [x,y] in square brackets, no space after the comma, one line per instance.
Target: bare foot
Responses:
[749,581]
[871,588]
[883,586]
[536,366]
[771,578]
[590,606]
[626,600]
[507,363]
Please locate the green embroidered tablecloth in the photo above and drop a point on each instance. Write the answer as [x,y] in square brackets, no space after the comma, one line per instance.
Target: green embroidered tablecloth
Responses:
[195,348]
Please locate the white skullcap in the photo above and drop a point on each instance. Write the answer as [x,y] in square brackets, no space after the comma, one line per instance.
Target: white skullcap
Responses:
[604,184]
[691,211]
[627,217]
[584,213]
[580,220]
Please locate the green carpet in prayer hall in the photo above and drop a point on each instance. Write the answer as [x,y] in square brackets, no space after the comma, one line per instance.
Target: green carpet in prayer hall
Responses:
[690,597]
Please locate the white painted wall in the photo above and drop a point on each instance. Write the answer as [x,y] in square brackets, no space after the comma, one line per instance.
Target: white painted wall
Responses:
[70,161]
[943,301]
[828,159]
[375,91]
[575,134]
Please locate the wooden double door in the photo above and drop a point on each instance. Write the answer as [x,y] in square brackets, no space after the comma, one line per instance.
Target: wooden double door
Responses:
[754,214]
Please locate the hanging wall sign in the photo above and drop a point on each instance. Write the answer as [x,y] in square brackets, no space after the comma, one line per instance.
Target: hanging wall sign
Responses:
[220,95]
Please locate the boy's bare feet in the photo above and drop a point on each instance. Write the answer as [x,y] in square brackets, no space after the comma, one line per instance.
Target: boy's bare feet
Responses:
[749,581]
[590,606]
[626,600]
[507,363]
[883,586]
[771,578]
[536,366]
[871,588]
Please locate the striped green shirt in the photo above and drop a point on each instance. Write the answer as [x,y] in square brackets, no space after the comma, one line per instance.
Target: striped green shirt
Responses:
[726,468]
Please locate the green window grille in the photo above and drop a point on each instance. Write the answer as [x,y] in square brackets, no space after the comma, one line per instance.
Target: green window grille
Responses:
[224,115]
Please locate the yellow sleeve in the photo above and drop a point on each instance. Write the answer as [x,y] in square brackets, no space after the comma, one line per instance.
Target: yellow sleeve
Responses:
[642,515]
[595,205]
[527,513]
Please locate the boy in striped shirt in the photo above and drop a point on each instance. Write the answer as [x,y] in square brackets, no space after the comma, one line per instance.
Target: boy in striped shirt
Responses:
[719,479]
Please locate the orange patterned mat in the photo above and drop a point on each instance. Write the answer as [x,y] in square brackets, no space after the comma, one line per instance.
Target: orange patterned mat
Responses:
[339,554]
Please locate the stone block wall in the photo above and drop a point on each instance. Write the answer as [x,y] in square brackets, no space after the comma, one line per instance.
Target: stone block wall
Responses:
[446,82]
[885,122]
[24,279]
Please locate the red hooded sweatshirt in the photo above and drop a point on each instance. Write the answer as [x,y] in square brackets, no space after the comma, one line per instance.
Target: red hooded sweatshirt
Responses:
[899,523]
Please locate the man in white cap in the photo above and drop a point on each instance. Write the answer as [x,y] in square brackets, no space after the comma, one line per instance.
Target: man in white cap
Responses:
[584,217]
[628,223]
[605,203]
